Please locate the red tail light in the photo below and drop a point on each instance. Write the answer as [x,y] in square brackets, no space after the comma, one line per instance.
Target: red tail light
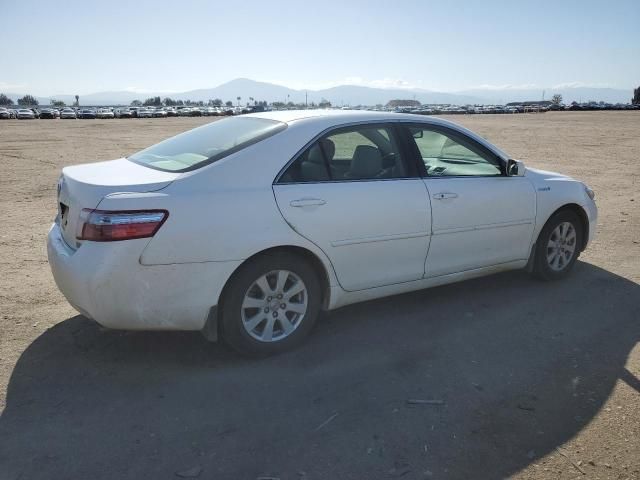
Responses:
[110,226]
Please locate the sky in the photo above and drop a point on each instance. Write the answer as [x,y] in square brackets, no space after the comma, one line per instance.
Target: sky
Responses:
[52,47]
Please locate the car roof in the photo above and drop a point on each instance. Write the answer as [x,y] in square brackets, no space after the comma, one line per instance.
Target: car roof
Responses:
[336,117]
[324,119]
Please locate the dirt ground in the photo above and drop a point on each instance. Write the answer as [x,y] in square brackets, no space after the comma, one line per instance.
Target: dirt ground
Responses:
[537,380]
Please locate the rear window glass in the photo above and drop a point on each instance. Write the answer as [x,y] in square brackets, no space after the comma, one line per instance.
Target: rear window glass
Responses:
[206,144]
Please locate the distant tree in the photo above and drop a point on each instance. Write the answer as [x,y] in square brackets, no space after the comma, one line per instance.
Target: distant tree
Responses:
[216,102]
[324,103]
[636,96]
[179,102]
[169,102]
[5,101]
[57,103]
[136,103]
[152,102]
[77,104]
[238,98]
[278,105]
[290,104]
[252,100]
[403,103]
[229,103]
[27,101]
[556,99]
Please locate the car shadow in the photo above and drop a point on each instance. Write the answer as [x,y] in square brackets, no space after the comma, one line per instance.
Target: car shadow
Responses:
[482,376]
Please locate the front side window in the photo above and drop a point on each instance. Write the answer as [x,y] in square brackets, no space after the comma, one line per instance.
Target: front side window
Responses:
[348,154]
[206,144]
[448,155]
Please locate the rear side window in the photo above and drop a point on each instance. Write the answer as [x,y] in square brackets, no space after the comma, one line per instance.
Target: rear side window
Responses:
[204,145]
[349,154]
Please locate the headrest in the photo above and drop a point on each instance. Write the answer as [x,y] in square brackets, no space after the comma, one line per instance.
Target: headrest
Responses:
[366,163]
[315,155]
[329,148]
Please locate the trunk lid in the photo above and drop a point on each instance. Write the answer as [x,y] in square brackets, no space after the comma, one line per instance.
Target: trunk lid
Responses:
[84,186]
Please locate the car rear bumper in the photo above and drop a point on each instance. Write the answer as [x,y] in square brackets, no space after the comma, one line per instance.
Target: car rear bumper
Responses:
[105,281]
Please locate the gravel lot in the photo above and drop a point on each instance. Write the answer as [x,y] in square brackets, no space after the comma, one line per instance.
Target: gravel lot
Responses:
[537,380]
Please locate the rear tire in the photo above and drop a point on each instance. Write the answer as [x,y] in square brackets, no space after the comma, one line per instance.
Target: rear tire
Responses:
[558,246]
[270,304]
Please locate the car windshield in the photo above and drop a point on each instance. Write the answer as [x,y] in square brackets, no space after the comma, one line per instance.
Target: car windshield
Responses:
[206,144]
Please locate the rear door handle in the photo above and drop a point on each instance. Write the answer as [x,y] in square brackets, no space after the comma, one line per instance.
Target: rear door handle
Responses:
[443,195]
[307,202]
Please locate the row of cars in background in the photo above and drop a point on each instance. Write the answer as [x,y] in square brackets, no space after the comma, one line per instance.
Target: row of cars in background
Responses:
[540,107]
[202,111]
[122,112]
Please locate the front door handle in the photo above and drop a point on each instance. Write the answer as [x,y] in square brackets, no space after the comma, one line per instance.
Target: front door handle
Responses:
[307,202]
[443,195]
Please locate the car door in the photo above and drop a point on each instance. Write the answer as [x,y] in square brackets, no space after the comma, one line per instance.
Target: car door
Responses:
[353,194]
[480,216]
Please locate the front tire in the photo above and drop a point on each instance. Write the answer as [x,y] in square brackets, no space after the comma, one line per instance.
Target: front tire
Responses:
[270,304]
[558,246]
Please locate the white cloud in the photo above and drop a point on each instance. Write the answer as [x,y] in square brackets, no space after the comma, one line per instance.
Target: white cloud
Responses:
[524,86]
[355,80]
[12,87]
[580,85]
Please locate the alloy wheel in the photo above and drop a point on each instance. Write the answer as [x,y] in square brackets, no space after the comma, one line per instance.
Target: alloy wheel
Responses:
[561,246]
[274,306]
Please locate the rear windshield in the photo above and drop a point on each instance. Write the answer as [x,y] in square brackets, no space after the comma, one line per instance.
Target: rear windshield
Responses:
[206,144]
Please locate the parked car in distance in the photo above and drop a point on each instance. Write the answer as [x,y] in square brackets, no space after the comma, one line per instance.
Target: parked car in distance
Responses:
[5,114]
[67,113]
[26,114]
[123,112]
[145,112]
[171,112]
[49,113]
[159,113]
[340,207]
[105,113]
[87,113]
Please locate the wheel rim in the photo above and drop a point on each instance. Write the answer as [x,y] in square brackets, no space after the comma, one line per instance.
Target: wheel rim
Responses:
[274,306]
[561,246]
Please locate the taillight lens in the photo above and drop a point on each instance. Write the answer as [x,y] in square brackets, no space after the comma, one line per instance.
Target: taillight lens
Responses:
[110,226]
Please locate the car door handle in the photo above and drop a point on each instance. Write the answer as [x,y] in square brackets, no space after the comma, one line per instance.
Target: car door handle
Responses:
[307,202]
[443,195]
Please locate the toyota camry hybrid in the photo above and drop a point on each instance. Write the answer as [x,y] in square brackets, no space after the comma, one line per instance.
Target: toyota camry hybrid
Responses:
[247,227]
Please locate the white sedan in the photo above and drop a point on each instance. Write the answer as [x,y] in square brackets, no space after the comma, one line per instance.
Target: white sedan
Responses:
[247,227]
[25,114]
[105,113]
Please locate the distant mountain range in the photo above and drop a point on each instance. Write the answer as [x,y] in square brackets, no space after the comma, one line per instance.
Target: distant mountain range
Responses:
[348,95]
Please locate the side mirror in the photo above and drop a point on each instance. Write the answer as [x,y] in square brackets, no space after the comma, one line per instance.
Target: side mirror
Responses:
[515,168]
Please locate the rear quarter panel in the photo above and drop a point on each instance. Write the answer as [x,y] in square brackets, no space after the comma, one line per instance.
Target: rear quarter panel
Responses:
[225,211]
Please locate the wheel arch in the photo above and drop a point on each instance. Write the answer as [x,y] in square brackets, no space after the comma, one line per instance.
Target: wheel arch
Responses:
[584,223]
[211,327]
[582,215]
